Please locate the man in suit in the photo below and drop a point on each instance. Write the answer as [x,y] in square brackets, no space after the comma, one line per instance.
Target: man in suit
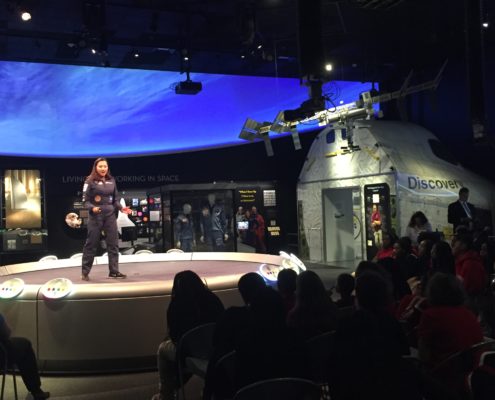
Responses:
[461,212]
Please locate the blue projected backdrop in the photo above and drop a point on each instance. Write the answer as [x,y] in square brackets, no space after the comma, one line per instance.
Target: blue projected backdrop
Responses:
[60,110]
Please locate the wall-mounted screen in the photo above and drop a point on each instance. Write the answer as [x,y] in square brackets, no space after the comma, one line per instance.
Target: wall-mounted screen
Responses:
[62,110]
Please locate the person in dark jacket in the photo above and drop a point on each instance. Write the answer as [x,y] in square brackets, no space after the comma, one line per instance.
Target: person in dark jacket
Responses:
[461,212]
[101,199]
[20,351]
[192,305]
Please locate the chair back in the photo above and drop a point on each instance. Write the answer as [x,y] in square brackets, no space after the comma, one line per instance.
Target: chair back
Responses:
[319,349]
[482,380]
[280,389]
[197,342]
[454,370]
[223,377]
[48,258]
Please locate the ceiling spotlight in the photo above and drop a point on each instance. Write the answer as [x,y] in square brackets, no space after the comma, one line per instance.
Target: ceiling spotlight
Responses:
[259,47]
[243,56]
[93,51]
[25,16]
[186,58]
[328,67]
[136,55]
[486,24]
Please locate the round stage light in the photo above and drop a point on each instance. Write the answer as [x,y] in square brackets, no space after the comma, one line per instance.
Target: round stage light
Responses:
[269,272]
[57,288]
[11,288]
[26,16]
[292,262]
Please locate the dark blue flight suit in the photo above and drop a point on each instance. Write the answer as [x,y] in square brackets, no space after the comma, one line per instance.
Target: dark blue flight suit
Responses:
[103,194]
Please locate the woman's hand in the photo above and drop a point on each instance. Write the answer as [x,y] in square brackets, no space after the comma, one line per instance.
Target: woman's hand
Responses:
[96,210]
[126,210]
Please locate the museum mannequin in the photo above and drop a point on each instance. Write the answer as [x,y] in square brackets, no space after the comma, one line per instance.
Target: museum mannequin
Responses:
[184,229]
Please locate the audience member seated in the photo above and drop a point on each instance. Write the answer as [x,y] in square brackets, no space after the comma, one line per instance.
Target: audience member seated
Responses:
[266,349]
[405,258]
[314,312]
[418,224]
[230,326]
[446,326]
[192,304]
[387,248]
[487,254]
[345,287]
[396,277]
[369,348]
[468,266]
[20,352]
[424,257]
[442,259]
[286,285]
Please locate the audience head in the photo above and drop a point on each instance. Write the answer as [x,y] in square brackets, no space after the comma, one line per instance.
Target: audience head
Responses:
[345,284]
[442,258]
[268,312]
[187,284]
[286,281]
[402,247]
[424,248]
[418,219]
[464,194]
[310,290]
[365,266]
[372,292]
[388,239]
[461,244]
[249,284]
[444,290]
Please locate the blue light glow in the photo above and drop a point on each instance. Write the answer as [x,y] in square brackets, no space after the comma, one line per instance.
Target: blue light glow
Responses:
[61,110]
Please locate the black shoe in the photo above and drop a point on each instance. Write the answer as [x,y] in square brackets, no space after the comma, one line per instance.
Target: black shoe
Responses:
[40,395]
[117,275]
[85,277]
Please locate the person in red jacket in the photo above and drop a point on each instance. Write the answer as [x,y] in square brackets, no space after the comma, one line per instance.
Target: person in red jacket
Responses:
[468,266]
[447,326]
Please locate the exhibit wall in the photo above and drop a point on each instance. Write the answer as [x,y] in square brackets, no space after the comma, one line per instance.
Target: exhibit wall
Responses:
[62,180]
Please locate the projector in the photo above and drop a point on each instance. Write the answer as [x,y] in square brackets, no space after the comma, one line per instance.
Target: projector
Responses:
[188,87]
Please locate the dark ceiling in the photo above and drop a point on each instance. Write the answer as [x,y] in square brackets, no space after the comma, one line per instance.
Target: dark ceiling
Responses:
[364,39]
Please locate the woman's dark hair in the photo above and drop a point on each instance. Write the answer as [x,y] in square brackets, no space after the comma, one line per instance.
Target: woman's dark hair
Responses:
[442,259]
[188,285]
[391,235]
[249,285]
[93,176]
[287,281]
[421,216]
[372,291]
[405,244]
[444,290]
[365,266]
[345,284]
[310,291]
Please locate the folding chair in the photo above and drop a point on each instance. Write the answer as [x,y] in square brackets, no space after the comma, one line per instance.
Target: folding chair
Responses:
[193,352]
[5,359]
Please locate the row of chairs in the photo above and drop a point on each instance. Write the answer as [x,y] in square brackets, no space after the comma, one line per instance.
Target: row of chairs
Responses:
[196,346]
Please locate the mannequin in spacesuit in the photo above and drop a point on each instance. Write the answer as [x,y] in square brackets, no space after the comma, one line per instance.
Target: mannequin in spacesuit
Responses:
[184,229]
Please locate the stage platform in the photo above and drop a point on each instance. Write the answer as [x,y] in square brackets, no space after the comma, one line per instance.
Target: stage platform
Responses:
[113,324]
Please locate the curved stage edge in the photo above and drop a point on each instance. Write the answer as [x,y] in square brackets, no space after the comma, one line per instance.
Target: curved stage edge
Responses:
[113,324]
